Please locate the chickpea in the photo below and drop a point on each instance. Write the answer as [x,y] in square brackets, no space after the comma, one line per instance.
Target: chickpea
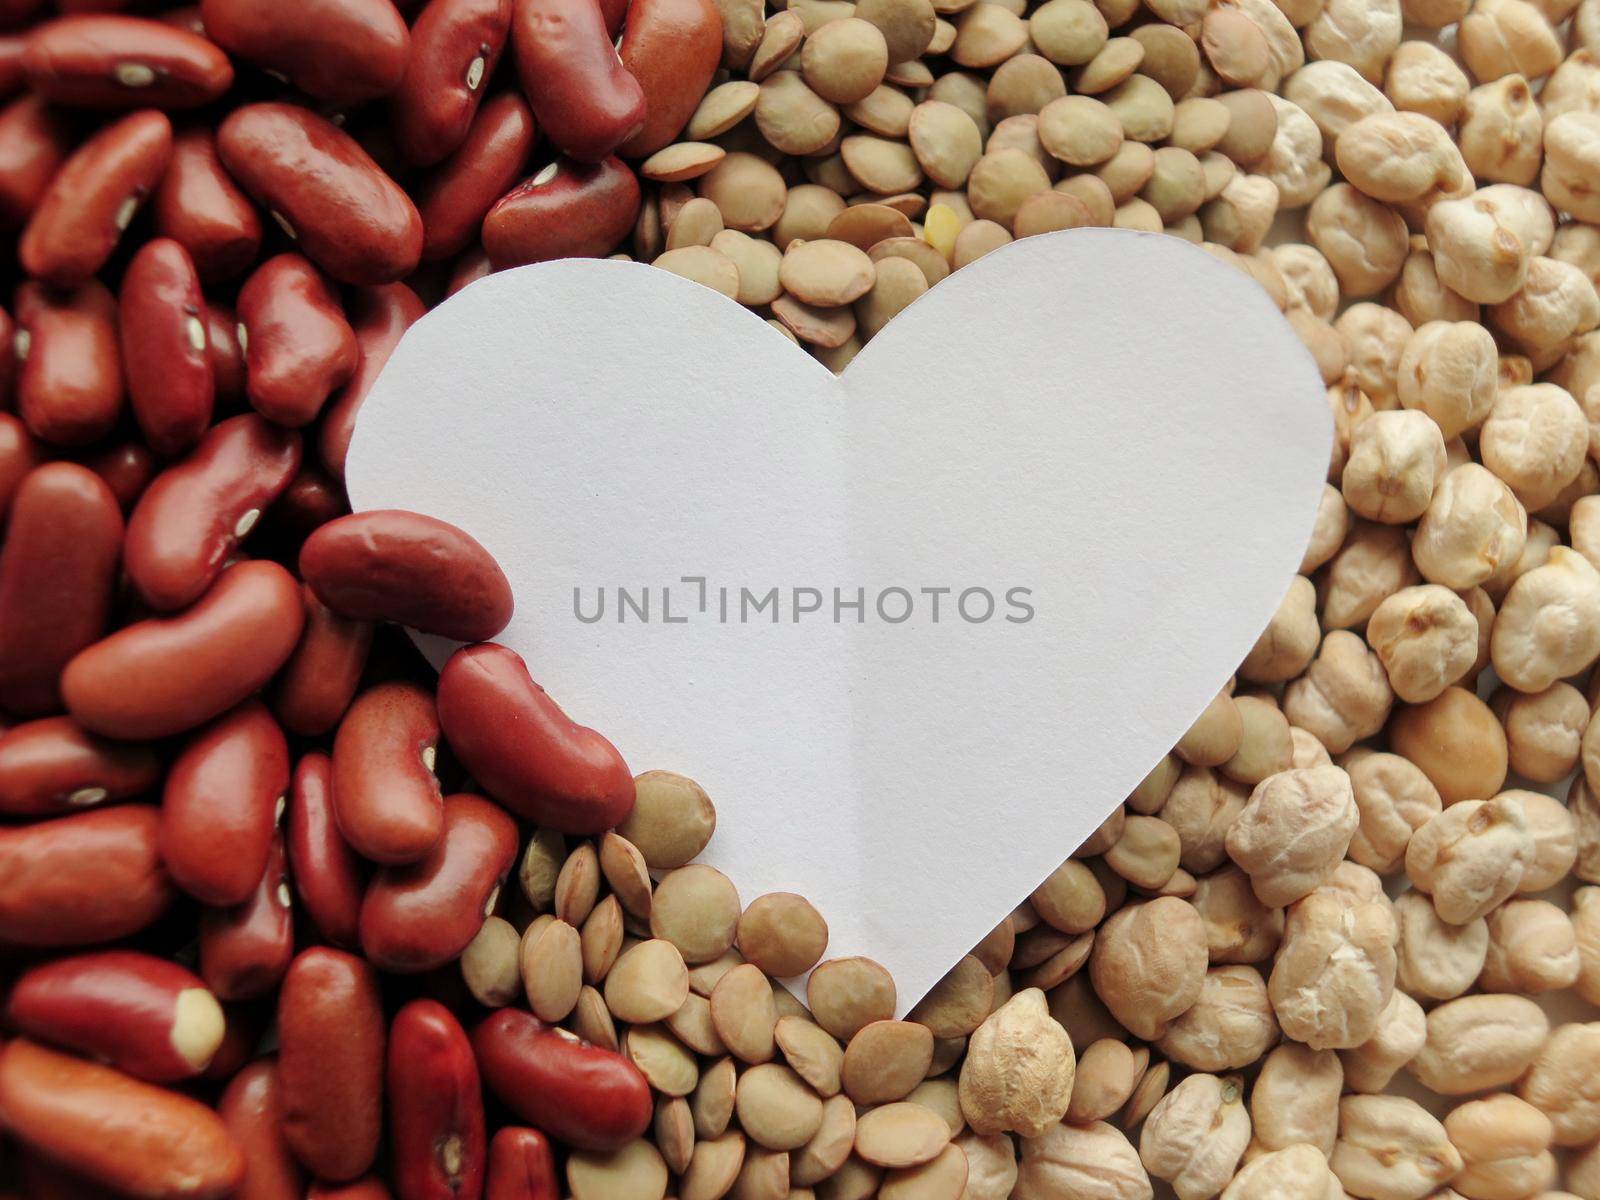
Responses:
[1289,642]
[1089,1160]
[1390,1148]
[1306,751]
[1296,1172]
[1583,805]
[1479,1042]
[1450,371]
[1295,1100]
[1474,526]
[1364,240]
[1501,131]
[1556,303]
[1201,808]
[1504,1144]
[1402,1031]
[1436,960]
[1293,832]
[1476,249]
[1334,972]
[1267,746]
[1585,913]
[1229,1026]
[1532,949]
[1554,829]
[1311,281]
[1328,531]
[1563,1082]
[1422,297]
[1426,638]
[1456,741]
[1543,729]
[1294,159]
[1349,406]
[1394,798]
[1504,37]
[1335,96]
[1377,337]
[1214,737]
[1399,157]
[1470,857]
[1194,1136]
[1239,928]
[1344,695]
[1149,964]
[1535,439]
[1364,36]
[1549,624]
[1424,79]
[1395,461]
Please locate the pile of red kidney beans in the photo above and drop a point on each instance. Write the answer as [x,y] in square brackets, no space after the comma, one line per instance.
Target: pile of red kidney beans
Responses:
[222,825]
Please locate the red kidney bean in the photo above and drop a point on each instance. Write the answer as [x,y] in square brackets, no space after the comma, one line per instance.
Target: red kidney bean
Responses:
[69,386]
[672,48]
[370,1188]
[392,565]
[193,516]
[227,359]
[245,950]
[297,345]
[455,46]
[50,767]
[44,1180]
[326,872]
[144,1015]
[380,317]
[472,266]
[346,215]
[221,803]
[111,61]
[11,50]
[19,454]
[8,357]
[585,1096]
[57,570]
[585,101]
[341,51]
[312,499]
[240,1037]
[567,210]
[74,881]
[455,198]
[93,197]
[320,679]
[422,916]
[167,675]
[164,356]
[127,470]
[249,1108]
[528,754]
[34,142]
[134,1137]
[615,13]
[199,206]
[521,1166]
[435,1106]
[384,791]
[185,16]
[330,1063]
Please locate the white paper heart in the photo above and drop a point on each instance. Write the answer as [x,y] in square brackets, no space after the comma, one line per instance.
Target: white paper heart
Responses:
[1115,422]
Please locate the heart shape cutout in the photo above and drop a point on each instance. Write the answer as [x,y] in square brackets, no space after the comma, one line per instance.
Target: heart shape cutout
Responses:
[1114,423]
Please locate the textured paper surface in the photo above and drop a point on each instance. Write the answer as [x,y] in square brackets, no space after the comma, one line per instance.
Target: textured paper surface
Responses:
[1111,420]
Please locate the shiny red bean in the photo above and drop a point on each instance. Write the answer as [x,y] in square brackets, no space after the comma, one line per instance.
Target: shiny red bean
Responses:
[298,346]
[528,754]
[240,1037]
[346,215]
[391,565]
[127,469]
[44,1180]
[421,916]
[435,1106]
[249,1108]
[369,1188]
[312,499]
[454,199]
[472,266]
[245,950]
[106,60]
[672,48]
[35,140]
[93,198]
[380,317]
[19,454]
[51,767]
[384,791]
[585,1096]
[167,675]
[521,1166]
[138,1139]
[227,359]
[342,51]
[192,517]
[326,872]
[320,679]
[78,880]
[199,206]
[69,384]
[164,358]
[567,210]
[144,1015]
[58,566]
[585,101]
[330,1063]
[11,51]
[221,803]
[8,357]
[455,46]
